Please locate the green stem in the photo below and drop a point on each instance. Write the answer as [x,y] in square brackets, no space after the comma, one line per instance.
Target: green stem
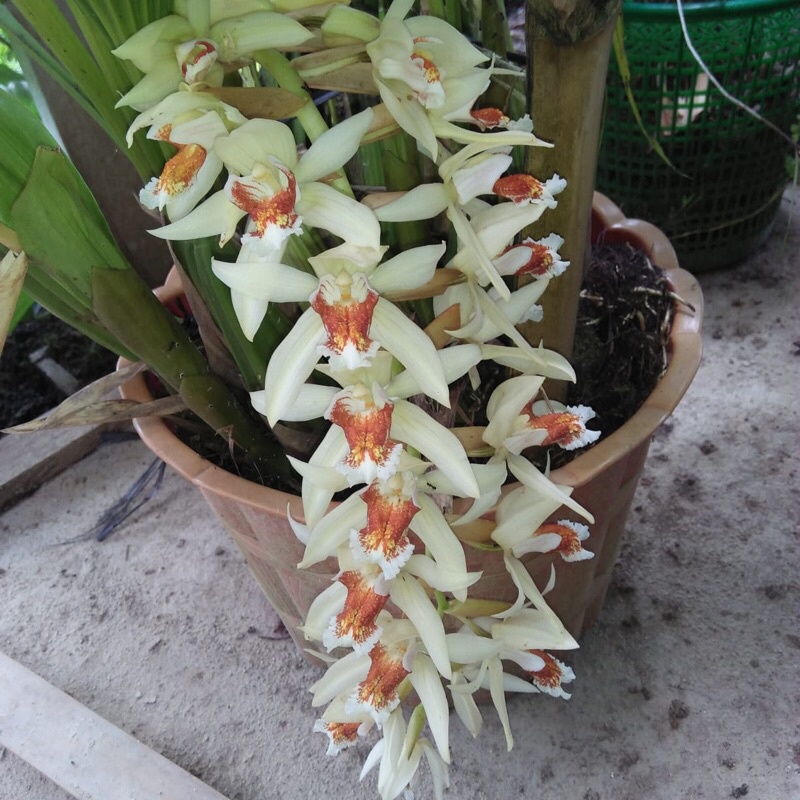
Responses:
[155,337]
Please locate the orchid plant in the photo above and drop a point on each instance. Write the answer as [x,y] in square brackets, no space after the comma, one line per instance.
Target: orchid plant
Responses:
[367,313]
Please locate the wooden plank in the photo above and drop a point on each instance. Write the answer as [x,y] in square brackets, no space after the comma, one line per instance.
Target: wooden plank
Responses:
[86,755]
[27,460]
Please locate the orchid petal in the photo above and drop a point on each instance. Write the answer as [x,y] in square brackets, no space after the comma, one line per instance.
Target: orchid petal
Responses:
[470,241]
[259,30]
[425,201]
[408,270]
[250,312]
[291,363]
[333,530]
[467,648]
[412,425]
[410,116]
[428,685]
[341,676]
[412,600]
[499,698]
[456,361]
[324,606]
[328,478]
[466,708]
[316,498]
[161,80]
[537,360]
[257,141]
[141,46]
[432,528]
[321,206]
[311,403]
[215,216]
[447,130]
[411,347]
[266,280]
[334,148]
[490,479]
[373,758]
[526,473]
[439,575]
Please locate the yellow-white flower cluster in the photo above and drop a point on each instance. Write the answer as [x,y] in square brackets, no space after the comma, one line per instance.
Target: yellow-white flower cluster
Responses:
[398,617]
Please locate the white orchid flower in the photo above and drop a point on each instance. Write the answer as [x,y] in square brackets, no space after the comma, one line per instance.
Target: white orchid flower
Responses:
[191,172]
[563,537]
[280,191]
[193,49]
[522,527]
[484,316]
[428,74]
[345,309]
[487,231]
[191,121]
[516,423]
[367,415]
[343,729]
[348,319]
[535,257]
[481,668]
[399,755]
[375,522]
[352,619]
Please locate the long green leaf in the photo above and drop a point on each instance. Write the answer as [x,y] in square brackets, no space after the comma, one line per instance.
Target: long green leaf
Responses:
[94,84]
[624,68]
[60,225]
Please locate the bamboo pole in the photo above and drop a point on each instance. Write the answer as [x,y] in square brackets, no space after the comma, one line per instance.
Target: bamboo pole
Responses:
[568,45]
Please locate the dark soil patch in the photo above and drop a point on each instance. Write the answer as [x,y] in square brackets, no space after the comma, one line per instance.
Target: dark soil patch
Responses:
[624,321]
[26,391]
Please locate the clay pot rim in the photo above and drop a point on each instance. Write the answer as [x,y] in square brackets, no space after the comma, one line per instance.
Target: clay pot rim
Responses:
[685,353]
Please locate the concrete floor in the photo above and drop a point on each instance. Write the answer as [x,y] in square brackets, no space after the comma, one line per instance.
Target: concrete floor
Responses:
[687,687]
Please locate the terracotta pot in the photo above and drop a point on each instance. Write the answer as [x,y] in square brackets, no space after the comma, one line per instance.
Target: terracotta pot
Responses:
[604,478]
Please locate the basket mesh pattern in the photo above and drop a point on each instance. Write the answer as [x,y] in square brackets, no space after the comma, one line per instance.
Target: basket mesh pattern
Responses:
[719,201]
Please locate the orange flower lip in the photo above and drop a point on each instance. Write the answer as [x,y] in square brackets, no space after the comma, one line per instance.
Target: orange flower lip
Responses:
[267,210]
[518,188]
[539,262]
[550,678]
[377,693]
[355,625]
[366,427]
[181,169]
[346,318]
[565,428]
[490,118]
[384,539]
[570,548]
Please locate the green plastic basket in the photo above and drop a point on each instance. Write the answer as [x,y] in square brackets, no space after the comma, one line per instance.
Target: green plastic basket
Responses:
[719,201]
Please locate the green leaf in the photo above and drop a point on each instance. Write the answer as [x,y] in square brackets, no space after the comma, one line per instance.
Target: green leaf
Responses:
[21,133]
[625,73]
[61,227]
